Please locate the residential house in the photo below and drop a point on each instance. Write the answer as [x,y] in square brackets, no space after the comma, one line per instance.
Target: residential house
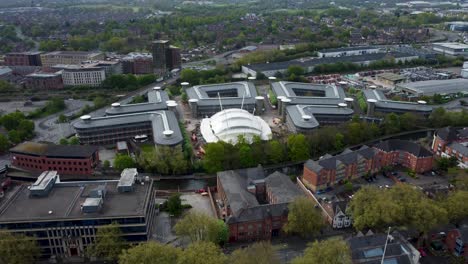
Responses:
[457,242]
[452,142]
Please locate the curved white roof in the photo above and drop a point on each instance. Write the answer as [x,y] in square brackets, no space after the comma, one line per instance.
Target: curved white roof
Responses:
[228,124]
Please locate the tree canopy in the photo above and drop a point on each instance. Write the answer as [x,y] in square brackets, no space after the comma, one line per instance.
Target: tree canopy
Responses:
[122,162]
[257,253]
[202,227]
[149,253]
[330,251]
[17,248]
[202,252]
[109,243]
[303,218]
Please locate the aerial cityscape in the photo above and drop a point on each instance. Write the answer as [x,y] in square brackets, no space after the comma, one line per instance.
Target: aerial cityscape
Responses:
[233,131]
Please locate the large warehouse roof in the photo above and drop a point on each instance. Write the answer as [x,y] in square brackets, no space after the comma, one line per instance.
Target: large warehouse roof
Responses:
[228,124]
[432,87]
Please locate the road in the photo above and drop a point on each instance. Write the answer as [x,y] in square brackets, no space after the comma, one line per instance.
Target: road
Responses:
[48,130]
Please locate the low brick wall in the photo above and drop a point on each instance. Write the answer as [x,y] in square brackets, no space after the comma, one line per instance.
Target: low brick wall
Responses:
[311,196]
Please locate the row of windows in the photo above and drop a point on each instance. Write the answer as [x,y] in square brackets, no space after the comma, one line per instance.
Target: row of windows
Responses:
[79,163]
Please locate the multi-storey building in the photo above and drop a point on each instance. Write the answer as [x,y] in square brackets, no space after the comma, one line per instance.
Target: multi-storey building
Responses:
[81,75]
[452,142]
[63,217]
[175,62]
[23,59]
[44,81]
[73,160]
[69,57]
[331,170]
[165,56]
[255,207]
[137,63]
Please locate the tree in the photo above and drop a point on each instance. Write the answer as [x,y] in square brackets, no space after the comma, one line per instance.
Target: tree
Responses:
[202,227]
[106,164]
[14,136]
[276,152]
[164,160]
[246,158]
[149,253]
[17,248]
[339,141]
[122,162]
[109,243]
[4,144]
[214,157]
[456,205]
[63,141]
[303,218]
[298,147]
[74,141]
[202,253]
[257,253]
[330,251]
[295,70]
[174,204]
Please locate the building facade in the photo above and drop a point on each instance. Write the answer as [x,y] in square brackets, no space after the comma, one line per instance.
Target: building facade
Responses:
[74,75]
[452,142]
[349,165]
[255,207]
[451,48]
[23,59]
[457,242]
[44,81]
[69,57]
[137,63]
[64,217]
[165,56]
[347,51]
[71,160]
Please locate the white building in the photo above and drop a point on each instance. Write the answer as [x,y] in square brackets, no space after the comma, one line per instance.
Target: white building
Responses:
[451,48]
[76,75]
[347,51]
[227,125]
[341,219]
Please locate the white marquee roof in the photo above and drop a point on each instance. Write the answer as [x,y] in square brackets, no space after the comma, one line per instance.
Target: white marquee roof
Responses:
[228,124]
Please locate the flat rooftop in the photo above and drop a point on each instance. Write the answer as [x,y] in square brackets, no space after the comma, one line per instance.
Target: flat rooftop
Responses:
[65,200]
[52,150]
[72,53]
[343,49]
[451,45]
[308,93]
[156,101]
[391,76]
[42,75]
[230,93]
[432,87]
[383,102]
[314,114]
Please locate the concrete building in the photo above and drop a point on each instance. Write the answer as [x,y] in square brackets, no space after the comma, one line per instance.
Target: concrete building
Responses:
[137,63]
[452,142]
[63,217]
[255,207]
[69,57]
[81,75]
[44,81]
[110,67]
[157,100]
[348,51]
[349,165]
[458,26]
[390,78]
[378,102]
[38,157]
[304,106]
[23,59]
[429,88]
[165,56]
[451,48]
[161,127]
[207,100]
[272,68]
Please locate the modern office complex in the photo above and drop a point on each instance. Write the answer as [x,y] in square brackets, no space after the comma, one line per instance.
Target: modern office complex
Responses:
[207,100]
[162,127]
[272,68]
[72,160]
[255,206]
[330,170]
[229,124]
[69,57]
[451,48]
[304,106]
[378,102]
[64,216]
[348,51]
[429,88]
[23,59]
[157,100]
[81,75]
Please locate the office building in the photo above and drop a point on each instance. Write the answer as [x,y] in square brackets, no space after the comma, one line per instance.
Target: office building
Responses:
[69,57]
[378,102]
[157,100]
[66,159]
[207,100]
[161,127]
[44,81]
[451,48]
[431,87]
[23,59]
[347,51]
[81,75]
[63,217]
[255,206]
[165,56]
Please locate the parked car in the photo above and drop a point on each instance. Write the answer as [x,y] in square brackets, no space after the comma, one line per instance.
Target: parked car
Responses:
[422,252]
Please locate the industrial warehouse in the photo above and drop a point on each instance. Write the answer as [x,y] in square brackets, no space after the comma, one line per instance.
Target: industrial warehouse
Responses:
[431,87]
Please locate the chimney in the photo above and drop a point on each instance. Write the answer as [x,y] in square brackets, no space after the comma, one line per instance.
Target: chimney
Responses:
[371,107]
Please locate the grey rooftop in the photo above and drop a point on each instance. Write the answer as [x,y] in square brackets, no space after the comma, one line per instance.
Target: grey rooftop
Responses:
[432,87]
[383,102]
[305,116]
[308,93]
[208,94]
[156,101]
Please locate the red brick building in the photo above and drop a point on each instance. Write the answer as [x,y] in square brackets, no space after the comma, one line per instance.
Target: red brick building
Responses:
[44,81]
[23,59]
[71,160]
[137,63]
[452,142]
[457,242]
[255,207]
[331,170]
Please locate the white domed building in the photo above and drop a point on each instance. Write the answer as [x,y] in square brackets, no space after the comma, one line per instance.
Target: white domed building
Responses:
[227,125]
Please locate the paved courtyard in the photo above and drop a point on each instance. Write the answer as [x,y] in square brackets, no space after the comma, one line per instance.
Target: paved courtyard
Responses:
[198,202]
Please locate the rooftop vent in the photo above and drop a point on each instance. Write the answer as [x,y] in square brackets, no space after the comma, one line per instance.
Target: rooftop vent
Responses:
[168,133]
[422,102]
[157,88]
[92,205]
[86,118]
[127,179]
[342,105]
[185,84]
[349,99]
[272,78]
[44,183]
[115,105]
[306,117]
[98,192]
